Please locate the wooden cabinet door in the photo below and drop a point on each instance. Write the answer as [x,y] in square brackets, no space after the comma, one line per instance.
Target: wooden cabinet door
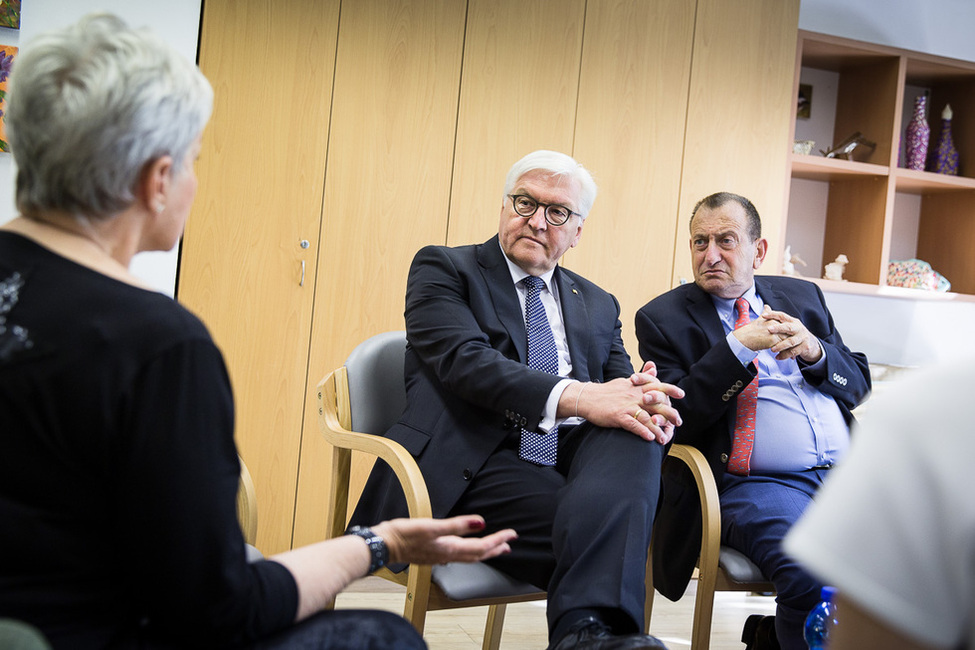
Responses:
[629,132]
[387,190]
[739,114]
[518,93]
[261,171]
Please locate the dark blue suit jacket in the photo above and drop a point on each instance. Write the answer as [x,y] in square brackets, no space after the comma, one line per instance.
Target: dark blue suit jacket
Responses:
[467,382]
[681,332]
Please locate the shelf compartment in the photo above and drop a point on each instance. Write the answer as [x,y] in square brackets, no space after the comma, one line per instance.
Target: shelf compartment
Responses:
[948,81]
[855,211]
[945,237]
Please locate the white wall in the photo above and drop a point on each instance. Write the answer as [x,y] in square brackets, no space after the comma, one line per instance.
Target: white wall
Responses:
[177,21]
[942,27]
[892,330]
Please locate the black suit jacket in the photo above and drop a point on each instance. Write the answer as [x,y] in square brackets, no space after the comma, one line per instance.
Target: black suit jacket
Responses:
[681,332]
[467,382]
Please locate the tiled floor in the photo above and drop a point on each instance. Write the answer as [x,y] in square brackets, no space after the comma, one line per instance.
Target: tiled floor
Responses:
[525,628]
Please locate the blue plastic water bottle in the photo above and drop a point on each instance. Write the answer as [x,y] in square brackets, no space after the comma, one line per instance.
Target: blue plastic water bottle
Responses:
[821,619]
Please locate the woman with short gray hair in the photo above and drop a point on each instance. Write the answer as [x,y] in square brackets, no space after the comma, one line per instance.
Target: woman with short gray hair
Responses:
[118,470]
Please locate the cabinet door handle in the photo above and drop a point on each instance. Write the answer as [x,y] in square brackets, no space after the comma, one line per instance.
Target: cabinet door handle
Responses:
[301,282]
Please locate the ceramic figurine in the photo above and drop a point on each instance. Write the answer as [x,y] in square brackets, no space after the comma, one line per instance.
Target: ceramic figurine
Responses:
[789,265]
[834,270]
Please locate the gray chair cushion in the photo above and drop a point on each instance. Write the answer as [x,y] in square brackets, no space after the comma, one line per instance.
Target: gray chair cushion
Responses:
[738,567]
[466,581]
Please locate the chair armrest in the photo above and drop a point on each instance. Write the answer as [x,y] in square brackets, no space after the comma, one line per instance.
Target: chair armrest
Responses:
[390,451]
[247,504]
[707,490]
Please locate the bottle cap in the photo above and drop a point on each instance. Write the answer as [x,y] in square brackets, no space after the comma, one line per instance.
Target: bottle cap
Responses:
[827,593]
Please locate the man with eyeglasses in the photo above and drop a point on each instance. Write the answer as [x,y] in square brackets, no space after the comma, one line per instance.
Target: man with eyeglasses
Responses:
[522,406]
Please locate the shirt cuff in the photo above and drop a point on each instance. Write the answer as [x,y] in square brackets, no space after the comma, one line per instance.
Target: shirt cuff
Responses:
[549,421]
[745,355]
[818,367]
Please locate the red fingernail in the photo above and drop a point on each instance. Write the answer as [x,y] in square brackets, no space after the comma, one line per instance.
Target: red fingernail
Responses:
[476,525]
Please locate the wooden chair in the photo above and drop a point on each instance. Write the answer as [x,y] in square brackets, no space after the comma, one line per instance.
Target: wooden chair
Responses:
[357,403]
[247,511]
[719,568]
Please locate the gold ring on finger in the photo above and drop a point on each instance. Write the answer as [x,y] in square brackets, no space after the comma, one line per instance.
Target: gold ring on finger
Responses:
[636,414]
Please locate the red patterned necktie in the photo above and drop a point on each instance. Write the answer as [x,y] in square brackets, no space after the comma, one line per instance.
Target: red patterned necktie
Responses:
[741,446]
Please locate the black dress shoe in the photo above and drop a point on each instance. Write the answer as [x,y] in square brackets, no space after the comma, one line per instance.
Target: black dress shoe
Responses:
[759,633]
[592,634]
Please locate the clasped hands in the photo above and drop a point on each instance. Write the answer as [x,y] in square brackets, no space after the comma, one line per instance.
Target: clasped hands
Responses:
[639,404]
[783,335]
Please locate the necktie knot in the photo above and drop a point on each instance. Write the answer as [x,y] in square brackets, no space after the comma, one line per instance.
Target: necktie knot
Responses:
[533,284]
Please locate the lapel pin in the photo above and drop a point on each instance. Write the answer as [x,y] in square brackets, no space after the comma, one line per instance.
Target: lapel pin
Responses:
[575,292]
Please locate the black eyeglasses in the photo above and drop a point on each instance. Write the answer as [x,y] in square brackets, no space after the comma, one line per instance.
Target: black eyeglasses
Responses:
[526,207]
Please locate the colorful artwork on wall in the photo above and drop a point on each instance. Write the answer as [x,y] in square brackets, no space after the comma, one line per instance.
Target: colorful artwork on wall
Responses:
[7,53]
[10,14]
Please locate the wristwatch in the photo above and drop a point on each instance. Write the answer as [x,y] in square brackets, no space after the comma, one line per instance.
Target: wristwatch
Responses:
[377,547]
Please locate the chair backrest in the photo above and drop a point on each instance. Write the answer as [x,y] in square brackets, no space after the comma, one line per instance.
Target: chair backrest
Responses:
[377,389]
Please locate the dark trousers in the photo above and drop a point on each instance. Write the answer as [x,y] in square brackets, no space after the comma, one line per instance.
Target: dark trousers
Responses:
[347,629]
[756,513]
[583,526]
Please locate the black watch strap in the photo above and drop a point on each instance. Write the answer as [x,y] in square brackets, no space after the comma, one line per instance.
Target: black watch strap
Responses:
[377,547]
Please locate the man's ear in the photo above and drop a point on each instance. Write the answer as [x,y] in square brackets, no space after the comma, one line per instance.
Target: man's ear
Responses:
[155,183]
[575,240]
[761,250]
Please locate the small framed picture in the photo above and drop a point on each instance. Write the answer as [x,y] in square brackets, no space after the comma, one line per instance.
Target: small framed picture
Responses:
[10,14]
[7,53]
[804,101]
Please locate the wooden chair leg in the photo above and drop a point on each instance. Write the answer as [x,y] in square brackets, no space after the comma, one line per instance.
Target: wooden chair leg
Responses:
[417,596]
[648,602]
[494,627]
[703,607]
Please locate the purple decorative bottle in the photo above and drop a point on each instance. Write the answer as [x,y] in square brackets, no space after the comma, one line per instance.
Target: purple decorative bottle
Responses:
[946,157]
[918,135]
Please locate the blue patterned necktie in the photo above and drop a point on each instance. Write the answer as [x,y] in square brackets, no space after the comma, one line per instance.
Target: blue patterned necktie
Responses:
[536,447]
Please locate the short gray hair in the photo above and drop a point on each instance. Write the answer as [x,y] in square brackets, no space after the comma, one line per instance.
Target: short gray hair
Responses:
[90,106]
[559,164]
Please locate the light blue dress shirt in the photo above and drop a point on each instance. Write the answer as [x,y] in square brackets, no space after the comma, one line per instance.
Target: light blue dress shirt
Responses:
[797,426]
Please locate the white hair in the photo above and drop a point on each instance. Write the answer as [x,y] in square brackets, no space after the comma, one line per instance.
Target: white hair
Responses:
[559,164]
[90,106]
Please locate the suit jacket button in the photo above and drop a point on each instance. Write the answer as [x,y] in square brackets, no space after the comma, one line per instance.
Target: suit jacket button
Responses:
[725,397]
[468,474]
[738,384]
[724,458]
